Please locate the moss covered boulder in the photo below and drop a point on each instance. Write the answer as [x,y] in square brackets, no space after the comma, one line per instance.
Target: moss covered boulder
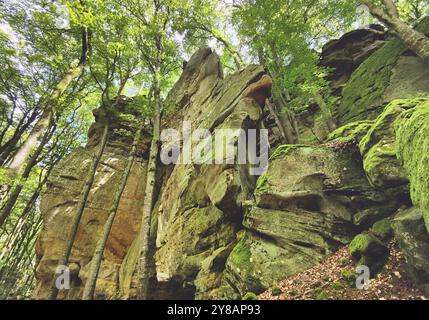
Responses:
[389,73]
[328,179]
[410,232]
[412,134]
[383,229]
[367,250]
[411,235]
[256,263]
[379,149]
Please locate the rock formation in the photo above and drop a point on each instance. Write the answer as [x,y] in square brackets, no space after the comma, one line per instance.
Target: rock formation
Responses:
[217,231]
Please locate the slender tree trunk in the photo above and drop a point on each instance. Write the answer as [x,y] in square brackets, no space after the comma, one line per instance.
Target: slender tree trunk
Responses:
[11,201]
[7,148]
[45,119]
[143,265]
[17,228]
[238,60]
[415,40]
[91,282]
[330,122]
[285,120]
[273,113]
[81,207]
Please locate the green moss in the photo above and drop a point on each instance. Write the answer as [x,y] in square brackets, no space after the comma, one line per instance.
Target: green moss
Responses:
[320,294]
[353,131]
[276,291]
[344,262]
[368,251]
[379,148]
[284,150]
[250,296]
[423,25]
[383,229]
[412,134]
[262,184]
[340,285]
[240,255]
[360,243]
[349,276]
[383,127]
[381,165]
[365,89]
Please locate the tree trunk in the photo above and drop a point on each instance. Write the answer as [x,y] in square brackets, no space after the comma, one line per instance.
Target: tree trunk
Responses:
[11,201]
[91,282]
[415,40]
[330,122]
[45,119]
[7,148]
[81,206]
[273,113]
[143,265]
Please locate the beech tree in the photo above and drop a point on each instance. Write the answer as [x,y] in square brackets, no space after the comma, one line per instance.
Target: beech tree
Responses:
[50,103]
[113,67]
[284,36]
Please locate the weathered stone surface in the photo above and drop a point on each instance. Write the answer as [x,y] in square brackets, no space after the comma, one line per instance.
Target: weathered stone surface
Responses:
[343,56]
[198,212]
[218,232]
[378,148]
[392,72]
[383,229]
[413,239]
[412,134]
[346,54]
[306,208]
[322,179]
[58,207]
[199,207]
[369,251]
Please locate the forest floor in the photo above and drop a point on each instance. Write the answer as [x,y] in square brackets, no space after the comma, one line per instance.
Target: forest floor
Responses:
[330,280]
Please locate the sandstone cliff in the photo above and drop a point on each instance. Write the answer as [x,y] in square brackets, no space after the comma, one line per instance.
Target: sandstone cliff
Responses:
[217,231]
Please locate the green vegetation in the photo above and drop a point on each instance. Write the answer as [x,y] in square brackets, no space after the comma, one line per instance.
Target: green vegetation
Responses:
[383,229]
[250,296]
[369,251]
[349,276]
[320,294]
[363,93]
[276,291]
[96,75]
[411,129]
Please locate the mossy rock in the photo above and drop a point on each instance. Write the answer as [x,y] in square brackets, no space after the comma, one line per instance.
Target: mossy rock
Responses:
[353,131]
[276,291]
[413,239]
[250,296]
[383,229]
[349,276]
[364,91]
[412,138]
[369,251]
[378,147]
[256,263]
